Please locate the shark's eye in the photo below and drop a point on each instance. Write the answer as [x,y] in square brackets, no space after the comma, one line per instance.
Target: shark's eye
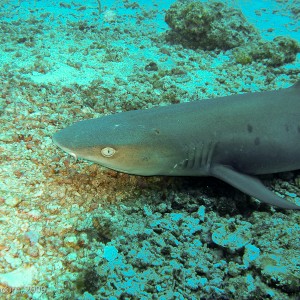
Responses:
[108,151]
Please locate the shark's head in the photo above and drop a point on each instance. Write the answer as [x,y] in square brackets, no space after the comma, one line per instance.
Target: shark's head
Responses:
[119,142]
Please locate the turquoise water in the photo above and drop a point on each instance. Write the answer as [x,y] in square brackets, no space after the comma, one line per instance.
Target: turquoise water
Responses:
[71,229]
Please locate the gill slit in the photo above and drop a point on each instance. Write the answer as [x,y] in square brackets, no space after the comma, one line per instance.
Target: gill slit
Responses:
[199,156]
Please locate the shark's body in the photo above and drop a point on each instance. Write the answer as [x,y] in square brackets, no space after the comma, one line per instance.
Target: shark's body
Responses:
[230,138]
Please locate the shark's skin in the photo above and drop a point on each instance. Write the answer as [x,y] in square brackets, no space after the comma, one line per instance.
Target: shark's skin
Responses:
[231,138]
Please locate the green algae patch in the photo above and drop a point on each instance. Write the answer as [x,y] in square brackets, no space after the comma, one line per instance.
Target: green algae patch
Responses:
[281,269]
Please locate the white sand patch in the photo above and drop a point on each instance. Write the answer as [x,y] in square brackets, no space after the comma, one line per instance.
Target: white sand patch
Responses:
[22,277]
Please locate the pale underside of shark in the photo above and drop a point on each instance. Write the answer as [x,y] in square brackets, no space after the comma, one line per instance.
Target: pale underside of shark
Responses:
[231,138]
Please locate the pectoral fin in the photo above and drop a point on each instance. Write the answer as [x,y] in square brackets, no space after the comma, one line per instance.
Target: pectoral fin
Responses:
[251,186]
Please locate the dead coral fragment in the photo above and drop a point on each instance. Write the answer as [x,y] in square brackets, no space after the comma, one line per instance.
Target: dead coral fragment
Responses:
[209,25]
[275,53]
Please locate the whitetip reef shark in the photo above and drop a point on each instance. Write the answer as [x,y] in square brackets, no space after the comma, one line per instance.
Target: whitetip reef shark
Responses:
[231,138]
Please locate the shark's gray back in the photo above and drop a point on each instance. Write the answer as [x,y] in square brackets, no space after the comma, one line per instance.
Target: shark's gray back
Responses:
[257,132]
